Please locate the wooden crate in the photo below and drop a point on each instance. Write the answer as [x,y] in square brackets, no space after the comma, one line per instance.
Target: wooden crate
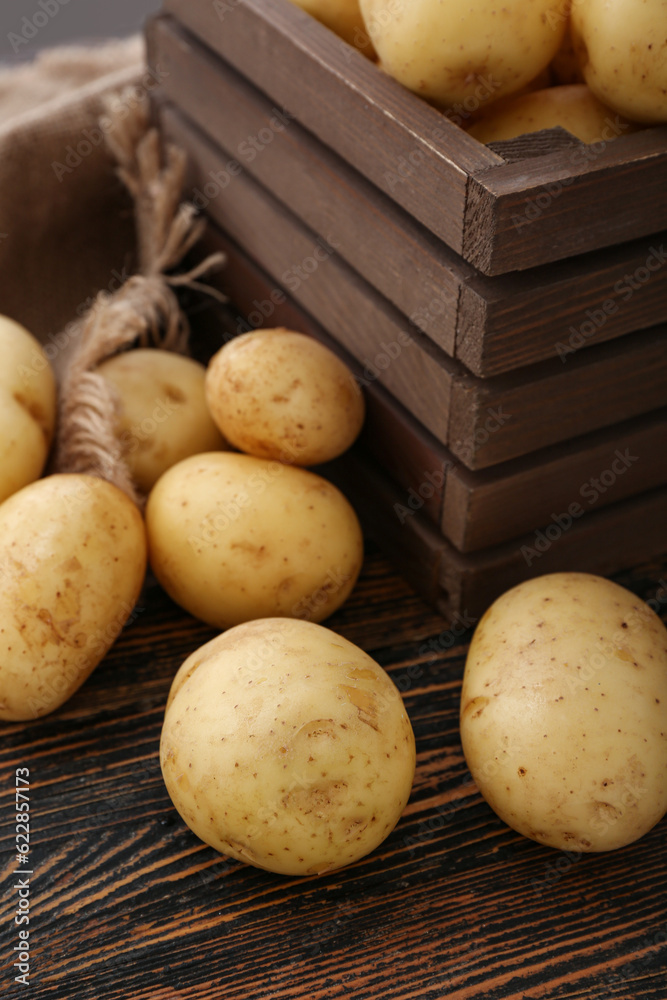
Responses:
[492,325]
[499,216]
[510,370]
[604,538]
[472,510]
[528,409]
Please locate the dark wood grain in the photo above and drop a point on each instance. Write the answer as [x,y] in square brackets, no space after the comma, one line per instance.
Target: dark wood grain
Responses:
[588,390]
[474,510]
[597,541]
[340,96]
[565,204]
[615,195]
[126,902]
[492,325]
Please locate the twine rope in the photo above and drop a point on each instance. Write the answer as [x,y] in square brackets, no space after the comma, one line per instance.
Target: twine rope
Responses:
[142,312]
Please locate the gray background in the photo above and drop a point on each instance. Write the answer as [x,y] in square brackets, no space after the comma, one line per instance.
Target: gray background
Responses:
[76,20]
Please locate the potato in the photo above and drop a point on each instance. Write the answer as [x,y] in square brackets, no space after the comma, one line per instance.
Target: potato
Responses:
[463,51]
[27,407]
[563,712]
[280,394]
[574,108]
[164,417]
[72,562]
[341,16]
[621,46]
[286,746]
[232,537]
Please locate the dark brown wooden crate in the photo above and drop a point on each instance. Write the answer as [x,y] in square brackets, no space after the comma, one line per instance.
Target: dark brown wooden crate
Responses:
[499,216]
[492,325]
[473,510]
[456,584]
[482,421]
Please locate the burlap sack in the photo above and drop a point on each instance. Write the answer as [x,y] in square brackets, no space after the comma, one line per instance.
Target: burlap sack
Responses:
[66,225]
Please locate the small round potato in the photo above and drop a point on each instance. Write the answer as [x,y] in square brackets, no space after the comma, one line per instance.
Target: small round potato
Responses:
[621,46]
[164,417]
[573,108]
[282,395]
[72,562]
[465,52]
[563,712]
[27,407]
[286,746]
[232,537]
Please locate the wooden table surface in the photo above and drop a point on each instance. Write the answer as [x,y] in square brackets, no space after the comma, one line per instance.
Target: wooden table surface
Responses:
[125,902]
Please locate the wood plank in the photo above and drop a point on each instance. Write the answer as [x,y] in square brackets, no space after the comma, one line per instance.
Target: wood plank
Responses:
[385,131]
[339,95]
[126,902]
[468,583]
[567,203]
[474,510]
[491,325]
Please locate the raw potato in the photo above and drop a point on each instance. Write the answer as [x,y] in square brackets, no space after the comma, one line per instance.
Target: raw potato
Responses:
[164,417]
[27,407]
[280,394]
[564,712]
[574,108]
[463,51]
[232,537]
[342,16]
[72,562]
[286,746]
[622,49]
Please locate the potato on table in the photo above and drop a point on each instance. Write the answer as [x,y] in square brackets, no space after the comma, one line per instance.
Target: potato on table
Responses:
[564,712]
[164,417]
[27,407]
[72,563]
[286,746]
[280,394]
[233,537]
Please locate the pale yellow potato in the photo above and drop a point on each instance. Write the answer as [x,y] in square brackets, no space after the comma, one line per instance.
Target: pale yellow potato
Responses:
[233,537]
[472,51]
[283,395]
[621,46]
[341,16]
[573,108]
[164,417]
[286,746]
[564,712]
[27,407]
[72,562]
